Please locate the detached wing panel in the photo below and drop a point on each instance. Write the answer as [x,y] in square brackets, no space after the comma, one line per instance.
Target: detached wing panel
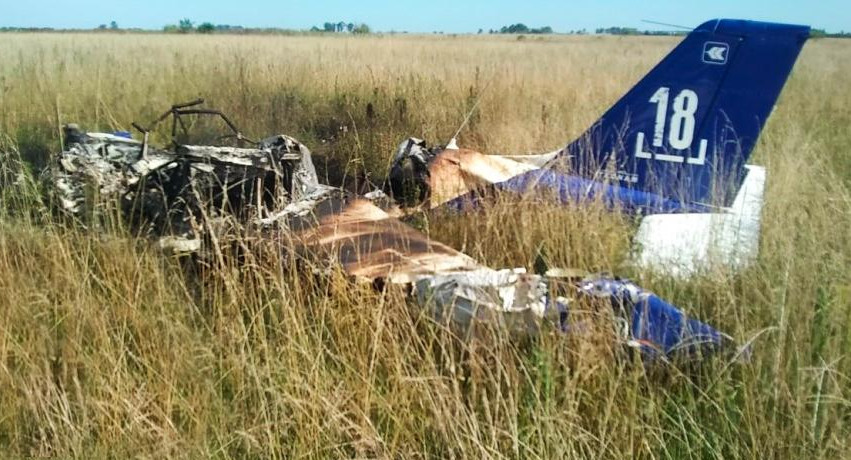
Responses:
[369,244]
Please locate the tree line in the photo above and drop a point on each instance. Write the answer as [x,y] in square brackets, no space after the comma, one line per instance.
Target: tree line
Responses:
[187,26]
[821,33]
[634,31]
[339,27]
[521,28]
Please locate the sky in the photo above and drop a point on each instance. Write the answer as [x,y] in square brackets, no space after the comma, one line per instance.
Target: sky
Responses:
[449,16]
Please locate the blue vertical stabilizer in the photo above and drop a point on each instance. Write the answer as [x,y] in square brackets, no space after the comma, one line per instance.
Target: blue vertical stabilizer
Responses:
[682,135]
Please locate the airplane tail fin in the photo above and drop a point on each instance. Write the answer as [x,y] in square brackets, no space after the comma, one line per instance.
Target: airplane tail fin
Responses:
[685,131]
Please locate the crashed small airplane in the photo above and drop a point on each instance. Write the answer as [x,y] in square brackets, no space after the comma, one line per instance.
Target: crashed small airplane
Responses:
[672,150]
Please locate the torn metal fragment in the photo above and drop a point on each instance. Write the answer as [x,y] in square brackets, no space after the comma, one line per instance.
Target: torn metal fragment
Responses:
[435,176]
[654,326]
[511,298]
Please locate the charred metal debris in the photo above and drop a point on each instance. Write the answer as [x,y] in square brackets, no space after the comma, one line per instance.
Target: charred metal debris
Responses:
[180,193]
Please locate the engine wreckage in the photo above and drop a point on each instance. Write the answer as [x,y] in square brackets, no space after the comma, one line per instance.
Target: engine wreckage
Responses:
[177,194]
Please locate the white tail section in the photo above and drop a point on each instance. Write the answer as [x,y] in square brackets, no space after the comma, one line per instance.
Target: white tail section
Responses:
[683,244]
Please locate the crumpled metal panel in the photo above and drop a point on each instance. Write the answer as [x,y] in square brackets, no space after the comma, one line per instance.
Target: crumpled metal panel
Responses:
[655,326]
[457,172]
[370,245]
[511,298]
[420,174]
[304,179]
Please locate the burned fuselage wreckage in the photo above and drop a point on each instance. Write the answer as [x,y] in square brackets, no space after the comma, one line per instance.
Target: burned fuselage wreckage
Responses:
[179,190]
[181,194]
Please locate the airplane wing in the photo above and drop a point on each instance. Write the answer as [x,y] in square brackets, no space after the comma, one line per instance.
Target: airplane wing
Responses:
[369,244]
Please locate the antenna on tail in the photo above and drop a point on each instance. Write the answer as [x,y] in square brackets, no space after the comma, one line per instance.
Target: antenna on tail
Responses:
[453,142]
[666,24]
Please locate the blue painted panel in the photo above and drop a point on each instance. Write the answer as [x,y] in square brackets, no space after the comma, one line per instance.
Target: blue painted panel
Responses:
[686,129]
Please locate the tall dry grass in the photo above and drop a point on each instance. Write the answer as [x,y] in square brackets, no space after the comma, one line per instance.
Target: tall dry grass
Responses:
[109,349]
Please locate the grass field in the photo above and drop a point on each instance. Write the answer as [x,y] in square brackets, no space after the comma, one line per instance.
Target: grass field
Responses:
[110,349]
